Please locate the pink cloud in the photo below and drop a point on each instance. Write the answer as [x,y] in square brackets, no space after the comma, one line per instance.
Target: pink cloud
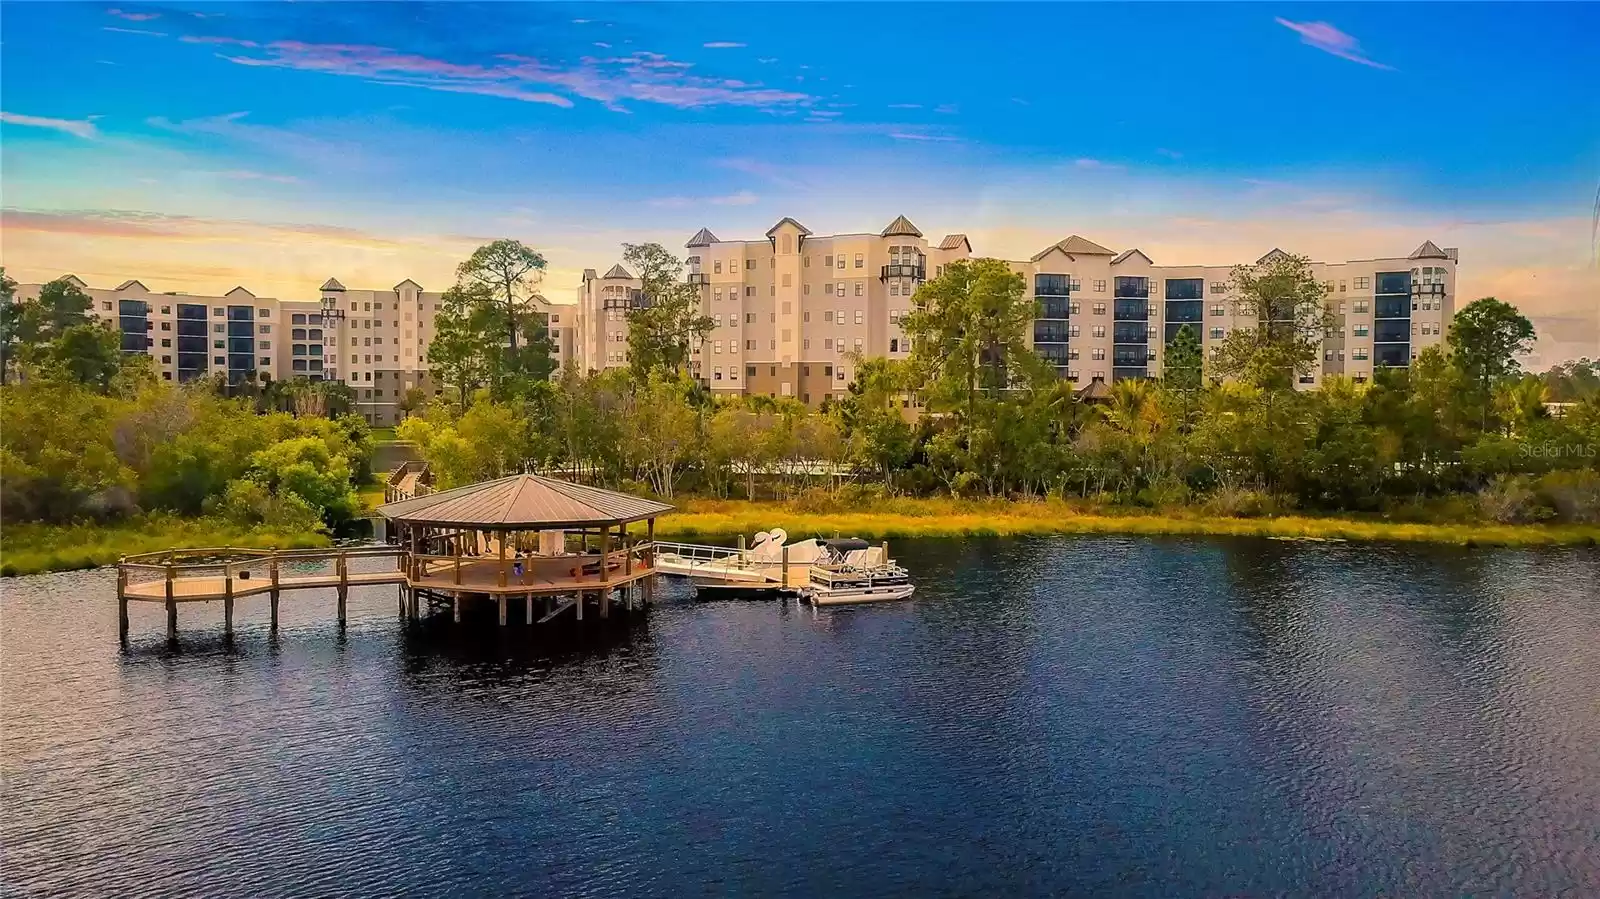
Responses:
[640,76]
[1329,39]
[133,16]
[722,45]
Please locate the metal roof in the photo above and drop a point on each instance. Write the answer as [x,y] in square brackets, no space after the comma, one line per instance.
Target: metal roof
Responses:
[1128,254]
[1074,246]
[901,225]
[804,231]
[332,284]
[701,238]
[952,241]
[1429,250]
[617,271]
[523,501]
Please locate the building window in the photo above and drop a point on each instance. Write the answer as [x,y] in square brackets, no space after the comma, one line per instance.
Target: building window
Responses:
[1362,283]
[861,261]
[1072,330]
[750,265]
[1219,310]
[1099,330]
[750,291]
[1099,354]
[894,345]
[1358,355]
[1074,308]
[1099,308]
[860,287]
[716,266]
[1219,287]
[1216,333]
[1360,306]
[841,260]
[1360,330]
[1099,287]
[858,316]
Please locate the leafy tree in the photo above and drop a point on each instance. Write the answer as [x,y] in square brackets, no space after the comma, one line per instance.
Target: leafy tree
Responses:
[1289,307]
[969,332]
[460,353]
[89,354]
[1573,381]
[509,272]
[668,324]
[1485,339]
[1181,370]
[10,322]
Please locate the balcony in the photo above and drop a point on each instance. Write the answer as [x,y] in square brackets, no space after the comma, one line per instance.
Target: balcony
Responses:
[902,270]
[1427,289]
[699,279]
[1052,286]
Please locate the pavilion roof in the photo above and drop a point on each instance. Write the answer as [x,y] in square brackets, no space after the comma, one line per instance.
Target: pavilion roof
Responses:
[524,501]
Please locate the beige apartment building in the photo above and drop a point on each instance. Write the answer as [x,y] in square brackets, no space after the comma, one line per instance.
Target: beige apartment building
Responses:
[788,310]
[376,341]
[792,309]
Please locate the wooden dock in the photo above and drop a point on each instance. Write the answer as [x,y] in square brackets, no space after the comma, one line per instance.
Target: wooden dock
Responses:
[564,581]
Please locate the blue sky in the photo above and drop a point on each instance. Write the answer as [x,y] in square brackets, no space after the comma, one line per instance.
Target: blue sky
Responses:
[276,144]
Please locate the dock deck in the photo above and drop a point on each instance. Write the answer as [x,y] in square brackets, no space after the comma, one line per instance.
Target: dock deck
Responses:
[498,572]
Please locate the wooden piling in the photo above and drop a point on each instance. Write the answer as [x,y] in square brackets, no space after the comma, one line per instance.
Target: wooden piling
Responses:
[785,567]
[273,593]
[501,602]
[227,600]
[529,600]
[172,603]
[500,538]
[344,588]
[581,597]
[455,607]
[122,600]
[605,603]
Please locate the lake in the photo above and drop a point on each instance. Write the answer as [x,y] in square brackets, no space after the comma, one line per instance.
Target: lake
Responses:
[1090,716]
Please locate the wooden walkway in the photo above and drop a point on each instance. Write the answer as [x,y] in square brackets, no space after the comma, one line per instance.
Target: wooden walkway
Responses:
[226,574]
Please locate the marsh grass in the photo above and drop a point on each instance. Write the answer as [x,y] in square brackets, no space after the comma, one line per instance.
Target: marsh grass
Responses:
[907,517]
[33,548]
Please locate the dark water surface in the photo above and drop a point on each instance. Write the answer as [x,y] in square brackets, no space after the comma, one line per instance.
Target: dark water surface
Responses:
[1062,716]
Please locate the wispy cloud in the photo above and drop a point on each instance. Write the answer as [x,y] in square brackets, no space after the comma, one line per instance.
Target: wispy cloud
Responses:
[1170,154]
[742,198]
[905,105]
[1329,39]
[765,60]
[122,223]
[83,128]
[947,109]
[1095,164]
[144,31]
[250,175]
[922,136]
[722,45]
[133,16]
[613,81]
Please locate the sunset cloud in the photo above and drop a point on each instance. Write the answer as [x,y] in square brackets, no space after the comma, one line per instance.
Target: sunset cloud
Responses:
[1329,39]
[612,81]
[722,45]
[741,198]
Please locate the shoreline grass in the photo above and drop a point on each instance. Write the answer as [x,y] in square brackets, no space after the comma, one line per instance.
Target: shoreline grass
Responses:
[900,518]
[39,548]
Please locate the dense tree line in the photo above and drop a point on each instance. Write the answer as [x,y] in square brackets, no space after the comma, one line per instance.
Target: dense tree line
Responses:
[87,432]
[1461,432]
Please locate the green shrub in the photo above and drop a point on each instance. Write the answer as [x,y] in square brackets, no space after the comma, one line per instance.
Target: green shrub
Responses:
[1573,495]
[1511,499]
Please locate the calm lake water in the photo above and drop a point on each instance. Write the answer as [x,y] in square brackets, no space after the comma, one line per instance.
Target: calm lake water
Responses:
[1048,716]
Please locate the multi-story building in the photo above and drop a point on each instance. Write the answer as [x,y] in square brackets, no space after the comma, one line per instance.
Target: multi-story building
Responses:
[791,310]
[1105,315]
[376,341]
[788,311]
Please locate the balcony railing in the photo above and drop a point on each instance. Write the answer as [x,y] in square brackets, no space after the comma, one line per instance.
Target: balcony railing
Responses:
[699,279]
[903,270]
[1418,289]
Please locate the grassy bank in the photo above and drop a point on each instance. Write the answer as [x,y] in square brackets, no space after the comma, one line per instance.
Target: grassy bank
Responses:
[32,548]
[951,518]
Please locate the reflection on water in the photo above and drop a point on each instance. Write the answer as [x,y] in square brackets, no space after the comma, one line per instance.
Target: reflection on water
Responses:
[1090,716]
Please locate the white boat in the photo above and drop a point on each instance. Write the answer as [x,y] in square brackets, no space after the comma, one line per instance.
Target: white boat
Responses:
[769,561]
[853,573]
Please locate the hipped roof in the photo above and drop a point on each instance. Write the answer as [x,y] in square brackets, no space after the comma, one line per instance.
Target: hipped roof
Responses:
[524,501]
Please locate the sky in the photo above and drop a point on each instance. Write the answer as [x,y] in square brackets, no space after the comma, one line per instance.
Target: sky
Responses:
[197,147]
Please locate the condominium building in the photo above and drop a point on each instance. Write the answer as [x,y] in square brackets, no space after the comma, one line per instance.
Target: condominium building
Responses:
[790,311]
[1105,315]
[376,341]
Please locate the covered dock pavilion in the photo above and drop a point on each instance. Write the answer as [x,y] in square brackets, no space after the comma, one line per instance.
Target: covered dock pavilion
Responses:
[526,537]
